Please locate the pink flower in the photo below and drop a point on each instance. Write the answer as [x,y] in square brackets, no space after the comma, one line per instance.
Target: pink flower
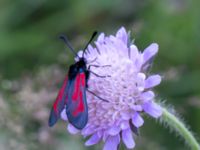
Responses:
[126,86]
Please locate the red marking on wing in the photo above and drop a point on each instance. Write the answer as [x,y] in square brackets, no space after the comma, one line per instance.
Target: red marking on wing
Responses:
[78,95]
[76,88]
[60,96]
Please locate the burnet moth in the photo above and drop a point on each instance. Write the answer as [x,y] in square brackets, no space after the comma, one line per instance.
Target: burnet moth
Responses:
[72,95]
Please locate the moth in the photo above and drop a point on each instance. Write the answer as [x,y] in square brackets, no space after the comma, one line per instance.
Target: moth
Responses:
[72,95]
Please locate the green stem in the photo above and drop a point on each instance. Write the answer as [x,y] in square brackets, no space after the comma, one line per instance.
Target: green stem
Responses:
[175,124]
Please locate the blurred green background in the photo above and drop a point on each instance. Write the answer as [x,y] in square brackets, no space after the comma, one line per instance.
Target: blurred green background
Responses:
[33,62]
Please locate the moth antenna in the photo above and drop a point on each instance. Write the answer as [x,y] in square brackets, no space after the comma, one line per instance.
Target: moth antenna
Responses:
[66,41]
[92,37]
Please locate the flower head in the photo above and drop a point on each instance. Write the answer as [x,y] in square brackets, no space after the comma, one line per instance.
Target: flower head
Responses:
[123,82]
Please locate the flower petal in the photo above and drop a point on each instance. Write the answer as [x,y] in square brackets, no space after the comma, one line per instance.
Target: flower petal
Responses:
[125,115]
[72,129]
[87,131]
[128,139]
[140,81]
[124,125]
[122,34]
[94,139]
[101,38]
[133,52]
[64,115]
[146,96]
[149,52]
[137,120]
[152,81]
[112,142]
[138,62]
[79,55]
[114,130]
[152,109]
[136,107]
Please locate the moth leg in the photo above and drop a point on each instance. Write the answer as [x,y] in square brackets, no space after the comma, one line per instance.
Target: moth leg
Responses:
[97,66]
[99,75]
[92,60]
[96,73]
[97,96]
